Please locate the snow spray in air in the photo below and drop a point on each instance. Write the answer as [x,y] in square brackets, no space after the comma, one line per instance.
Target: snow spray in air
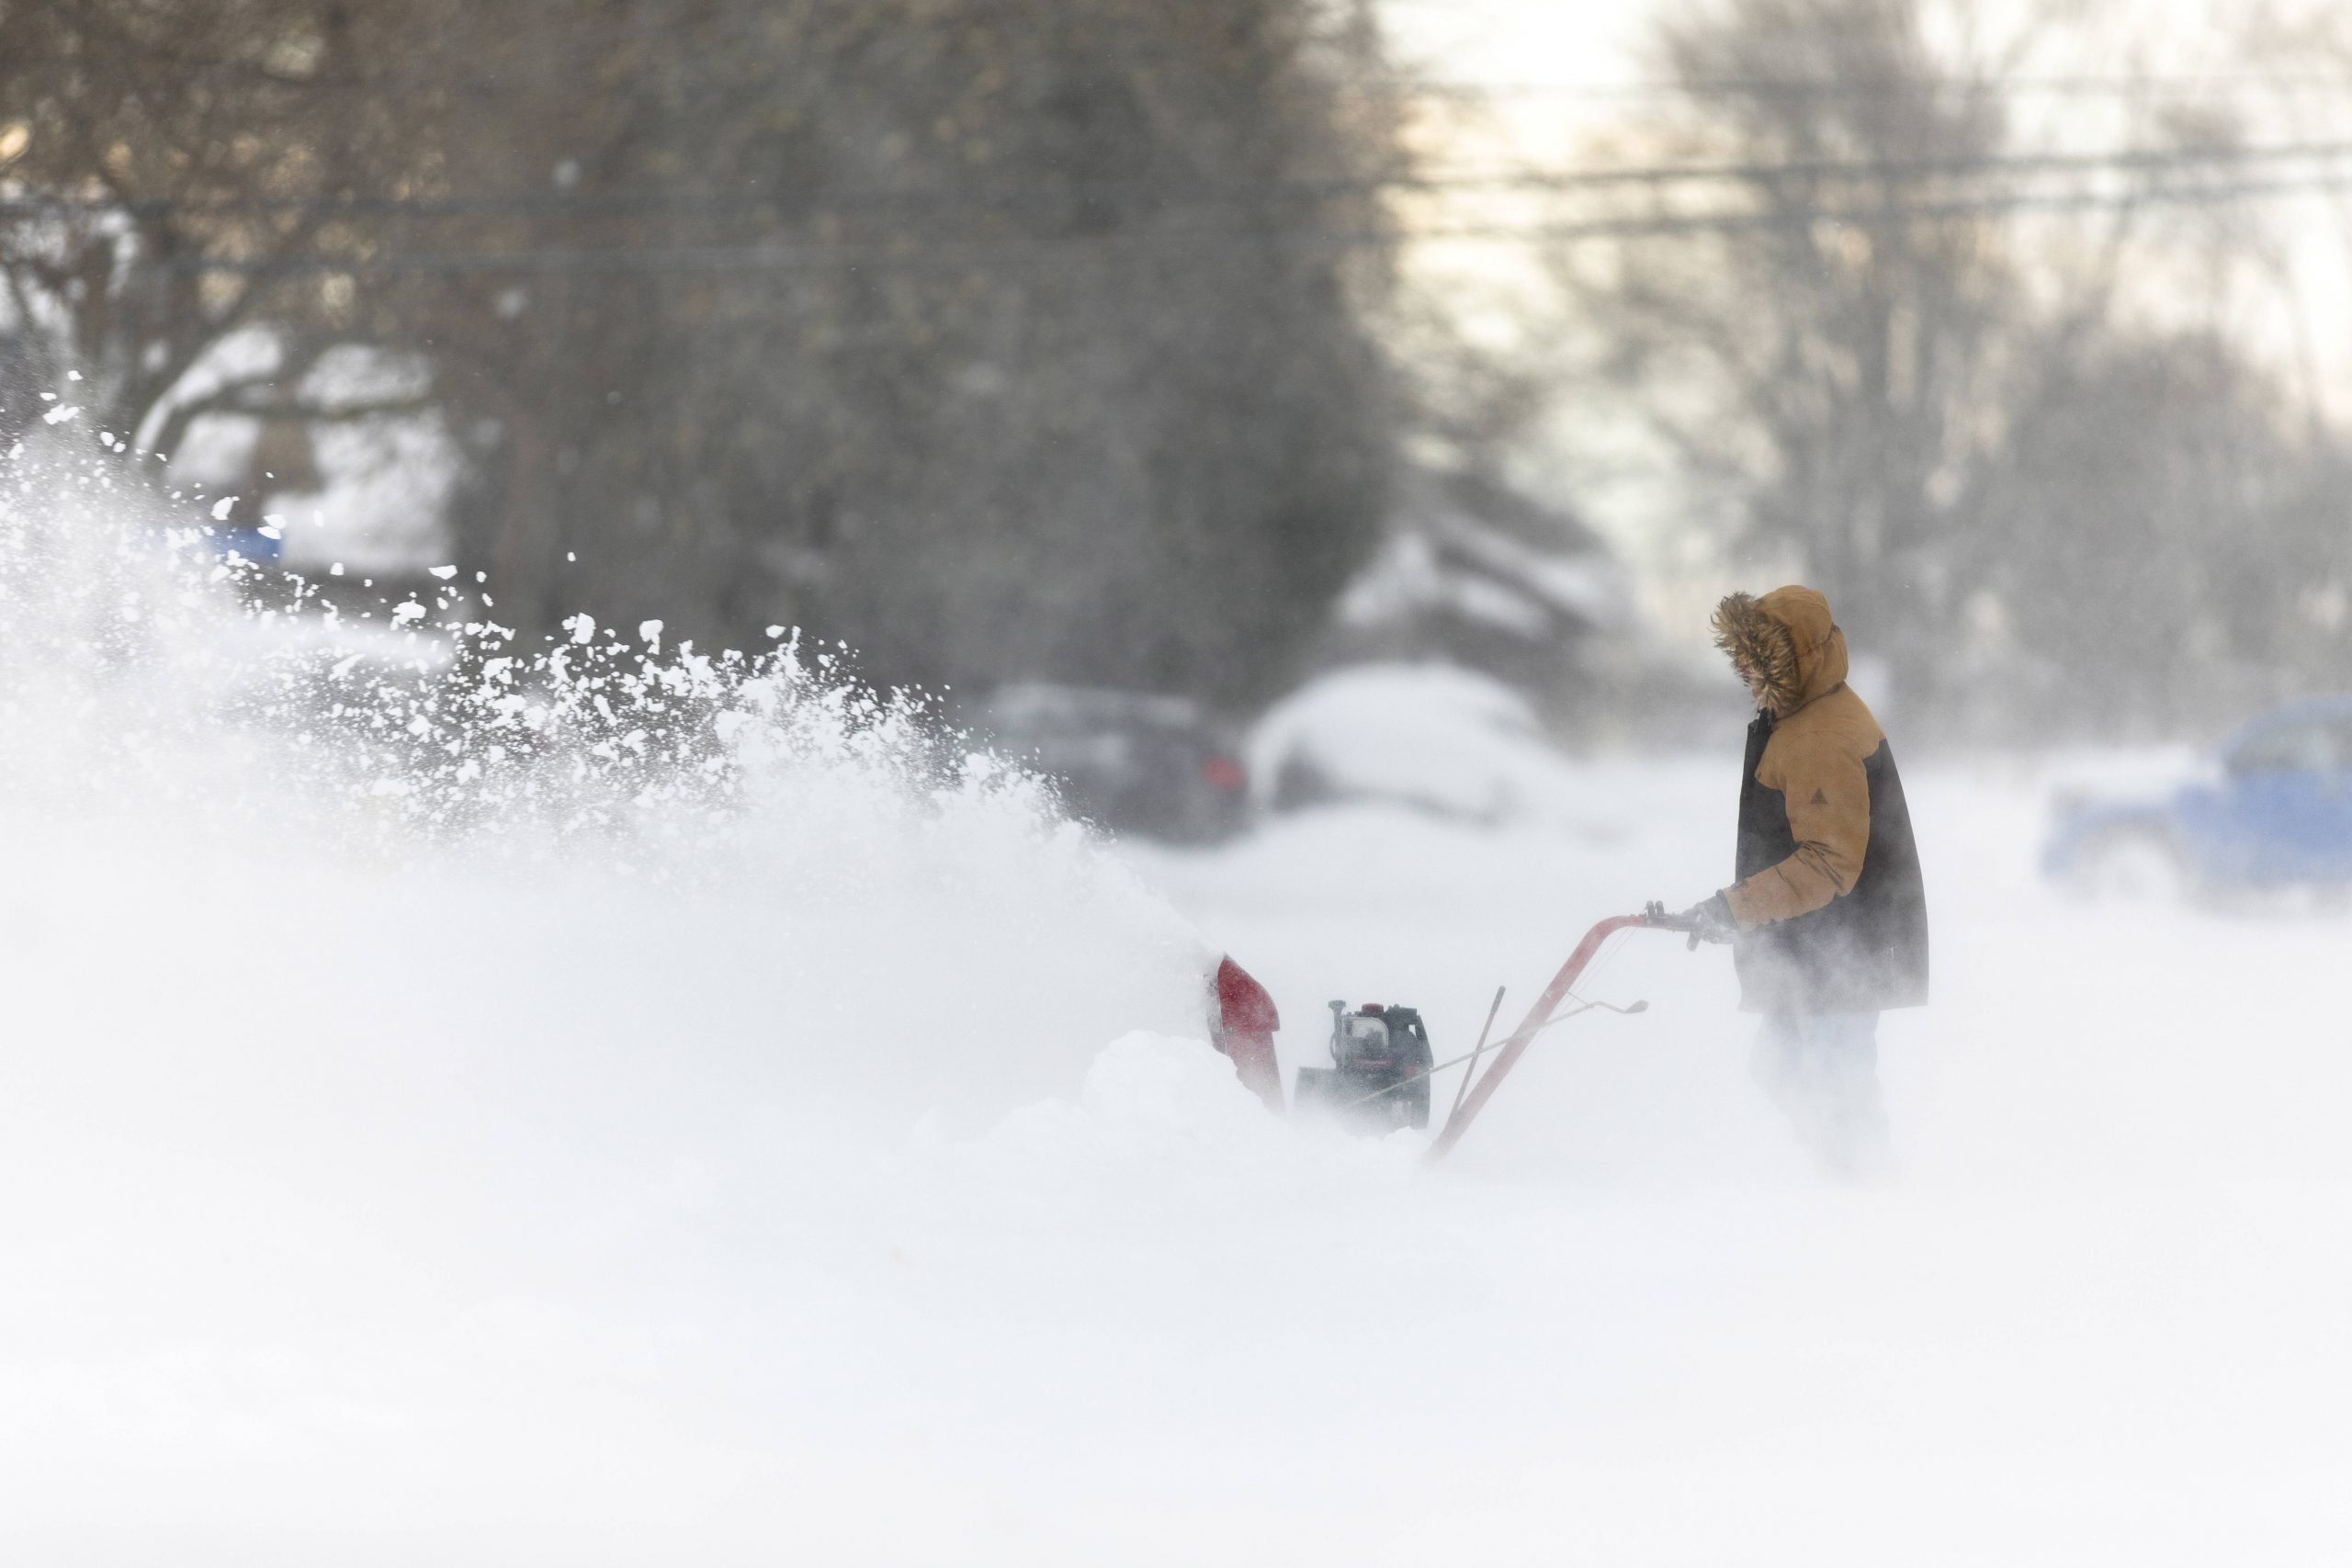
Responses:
[447,1068]
[603,854]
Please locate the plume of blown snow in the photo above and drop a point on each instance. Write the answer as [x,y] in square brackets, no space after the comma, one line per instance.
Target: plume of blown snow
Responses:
[868,902]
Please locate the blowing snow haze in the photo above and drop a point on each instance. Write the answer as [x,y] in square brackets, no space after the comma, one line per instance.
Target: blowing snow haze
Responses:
[648,656]
[619,1148]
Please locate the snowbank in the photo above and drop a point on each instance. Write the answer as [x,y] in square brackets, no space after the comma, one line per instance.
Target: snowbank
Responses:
[539,1165]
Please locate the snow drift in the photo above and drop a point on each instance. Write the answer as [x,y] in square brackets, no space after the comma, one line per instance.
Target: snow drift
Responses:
[642,1143]
[402,1009]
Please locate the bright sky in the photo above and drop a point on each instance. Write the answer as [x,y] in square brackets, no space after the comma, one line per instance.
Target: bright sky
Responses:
[1544,46]
[2299,315]
[1516,41]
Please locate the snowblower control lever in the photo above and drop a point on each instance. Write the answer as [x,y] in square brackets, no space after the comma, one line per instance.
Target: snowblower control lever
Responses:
[1654,914]
[1507,1053]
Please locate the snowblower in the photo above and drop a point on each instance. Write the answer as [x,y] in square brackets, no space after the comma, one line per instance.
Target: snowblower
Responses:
[1381,1056]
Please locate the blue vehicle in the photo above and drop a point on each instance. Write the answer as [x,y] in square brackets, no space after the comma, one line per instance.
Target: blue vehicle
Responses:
[2273,810]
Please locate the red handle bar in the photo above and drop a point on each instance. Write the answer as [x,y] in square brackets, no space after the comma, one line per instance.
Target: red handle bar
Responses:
[1507,1054]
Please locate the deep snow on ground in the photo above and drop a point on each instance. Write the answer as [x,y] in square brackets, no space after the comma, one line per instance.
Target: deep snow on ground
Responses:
[392,1218]
[831,1181]
[2099,1318]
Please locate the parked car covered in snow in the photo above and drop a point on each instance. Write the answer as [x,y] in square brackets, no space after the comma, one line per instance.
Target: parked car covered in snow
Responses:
[2271,807]
[1443,739]
[1135,762]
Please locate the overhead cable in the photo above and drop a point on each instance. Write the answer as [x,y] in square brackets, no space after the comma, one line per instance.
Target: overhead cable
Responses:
[899,255]
[818,200]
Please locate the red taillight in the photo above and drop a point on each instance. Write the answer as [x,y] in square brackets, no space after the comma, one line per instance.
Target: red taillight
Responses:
[1222,772]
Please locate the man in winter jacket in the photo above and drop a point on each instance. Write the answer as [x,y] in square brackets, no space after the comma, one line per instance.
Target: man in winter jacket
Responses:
[1828,918]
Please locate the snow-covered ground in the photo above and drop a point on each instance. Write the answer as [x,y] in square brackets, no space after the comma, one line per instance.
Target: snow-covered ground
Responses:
[2100,1318]
[399,1217]
[832,1183]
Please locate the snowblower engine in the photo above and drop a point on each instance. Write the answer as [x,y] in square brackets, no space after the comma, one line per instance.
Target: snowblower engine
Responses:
[1379,1077]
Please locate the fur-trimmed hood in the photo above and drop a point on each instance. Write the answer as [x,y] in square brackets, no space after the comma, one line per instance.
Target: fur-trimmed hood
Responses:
[1789,637]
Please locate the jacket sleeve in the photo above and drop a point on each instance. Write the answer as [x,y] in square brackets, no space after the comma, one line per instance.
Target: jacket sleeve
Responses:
[1828,797]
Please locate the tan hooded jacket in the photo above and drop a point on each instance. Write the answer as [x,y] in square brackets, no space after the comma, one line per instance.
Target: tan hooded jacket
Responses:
[1823,739]
[1830,901]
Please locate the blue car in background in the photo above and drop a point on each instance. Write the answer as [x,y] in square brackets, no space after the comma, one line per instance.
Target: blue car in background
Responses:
[2272,809]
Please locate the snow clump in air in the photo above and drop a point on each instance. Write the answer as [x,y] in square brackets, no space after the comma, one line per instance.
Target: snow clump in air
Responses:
[906,909]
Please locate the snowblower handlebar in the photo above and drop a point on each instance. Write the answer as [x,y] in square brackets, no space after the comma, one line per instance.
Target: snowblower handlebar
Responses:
[1507,1053]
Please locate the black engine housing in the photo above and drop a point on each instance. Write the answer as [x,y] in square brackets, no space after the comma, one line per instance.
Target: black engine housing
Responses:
[1379,1077]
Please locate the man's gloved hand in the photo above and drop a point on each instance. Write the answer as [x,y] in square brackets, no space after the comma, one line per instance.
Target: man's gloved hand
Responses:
[1710,921]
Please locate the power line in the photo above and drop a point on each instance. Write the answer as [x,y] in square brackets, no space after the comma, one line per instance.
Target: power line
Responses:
[1885,169]
[724,259]
[2208,85]
[145,61]
[814,200]
[1898,213]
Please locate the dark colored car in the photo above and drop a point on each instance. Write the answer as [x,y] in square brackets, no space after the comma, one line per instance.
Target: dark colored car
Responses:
[2273,810]
[1156,766]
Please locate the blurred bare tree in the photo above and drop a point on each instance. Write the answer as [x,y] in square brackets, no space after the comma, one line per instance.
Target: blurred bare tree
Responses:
[140,142]
[2164,513]
[1834,378]
[996,337]
[2042,506]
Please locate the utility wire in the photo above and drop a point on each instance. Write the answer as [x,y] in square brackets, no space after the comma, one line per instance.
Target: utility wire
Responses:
[811,199]
[895,255]
[2189,85]
[149,62]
